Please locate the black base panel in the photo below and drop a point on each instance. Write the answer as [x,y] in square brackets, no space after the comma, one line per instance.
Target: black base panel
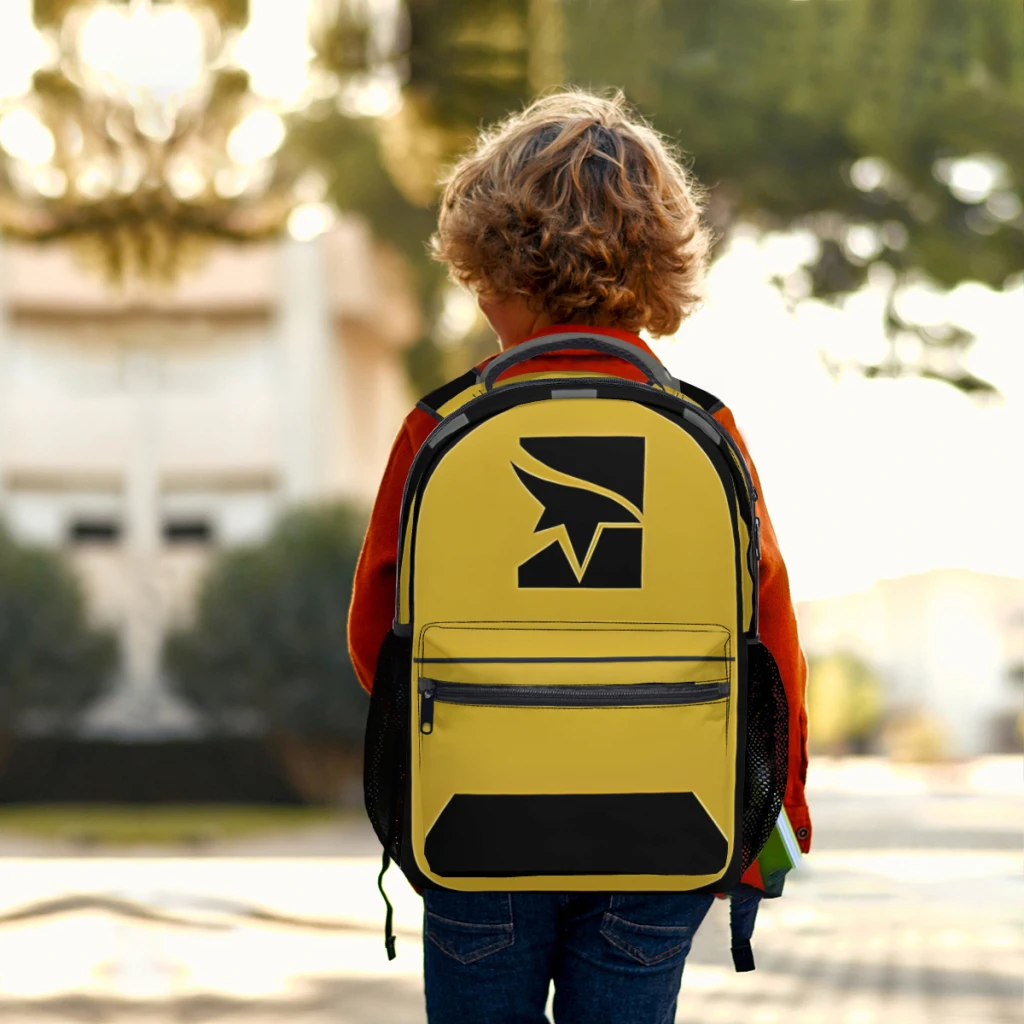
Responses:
[575,834]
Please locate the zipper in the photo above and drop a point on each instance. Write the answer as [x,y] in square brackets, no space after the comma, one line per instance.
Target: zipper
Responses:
[625,695]
[581,660]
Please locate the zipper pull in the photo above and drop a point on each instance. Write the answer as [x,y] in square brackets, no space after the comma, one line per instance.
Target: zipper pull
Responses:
[426,706]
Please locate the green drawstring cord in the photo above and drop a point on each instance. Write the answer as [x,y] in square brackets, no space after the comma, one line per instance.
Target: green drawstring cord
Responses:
[389,933]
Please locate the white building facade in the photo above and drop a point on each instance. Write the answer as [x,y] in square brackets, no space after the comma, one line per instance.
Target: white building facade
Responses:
[142,431]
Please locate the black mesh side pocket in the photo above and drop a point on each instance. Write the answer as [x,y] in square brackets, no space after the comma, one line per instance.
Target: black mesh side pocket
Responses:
[767,755]
[386,750]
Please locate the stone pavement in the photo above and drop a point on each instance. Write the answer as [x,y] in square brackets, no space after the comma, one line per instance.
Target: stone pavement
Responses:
[908,912]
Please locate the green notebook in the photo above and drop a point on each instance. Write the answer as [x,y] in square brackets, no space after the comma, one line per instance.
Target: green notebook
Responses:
[781,852]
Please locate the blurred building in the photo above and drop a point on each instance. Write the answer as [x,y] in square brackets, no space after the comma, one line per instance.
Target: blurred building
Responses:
[143,431]
[947,643]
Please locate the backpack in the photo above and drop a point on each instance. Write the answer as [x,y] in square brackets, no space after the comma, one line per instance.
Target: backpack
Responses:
[573,695]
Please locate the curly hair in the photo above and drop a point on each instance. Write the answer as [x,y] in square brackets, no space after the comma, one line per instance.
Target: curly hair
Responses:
[577,205]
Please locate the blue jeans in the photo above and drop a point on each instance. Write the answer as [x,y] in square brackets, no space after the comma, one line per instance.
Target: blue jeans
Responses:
[614,958]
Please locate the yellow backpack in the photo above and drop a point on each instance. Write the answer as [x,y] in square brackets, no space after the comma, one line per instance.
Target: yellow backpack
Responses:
[573,695]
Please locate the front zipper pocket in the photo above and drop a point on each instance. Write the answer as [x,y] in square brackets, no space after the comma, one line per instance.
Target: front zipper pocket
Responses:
[560,696]
[576,751]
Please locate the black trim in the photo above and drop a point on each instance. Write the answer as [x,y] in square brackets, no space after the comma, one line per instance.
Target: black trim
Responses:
[738,706]
[737,470]
[446,392]
[423,407]
[512,835]
[707,401]
[572,661]
[407,863]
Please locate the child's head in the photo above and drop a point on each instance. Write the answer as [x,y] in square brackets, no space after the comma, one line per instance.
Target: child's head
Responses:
[581,209]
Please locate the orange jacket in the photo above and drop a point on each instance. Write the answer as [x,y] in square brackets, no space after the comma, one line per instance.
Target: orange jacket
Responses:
[373,593]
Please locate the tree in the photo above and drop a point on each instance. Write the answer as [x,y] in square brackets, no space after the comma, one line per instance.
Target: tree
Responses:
[53,664]
[268,647]
[891,129]
[467,62]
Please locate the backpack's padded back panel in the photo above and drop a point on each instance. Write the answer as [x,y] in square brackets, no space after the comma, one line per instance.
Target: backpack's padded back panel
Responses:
[588,546]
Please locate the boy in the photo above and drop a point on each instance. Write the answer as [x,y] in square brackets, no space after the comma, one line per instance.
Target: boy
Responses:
[573,213]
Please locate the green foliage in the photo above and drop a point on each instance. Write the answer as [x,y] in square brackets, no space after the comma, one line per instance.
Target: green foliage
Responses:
[358,181]
[829,115]
[845,698]
[52,663]
[843,118]
[469,59]
[269,634]
[777,100]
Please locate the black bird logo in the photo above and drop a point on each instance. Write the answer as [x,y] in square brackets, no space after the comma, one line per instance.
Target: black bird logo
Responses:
[597,519]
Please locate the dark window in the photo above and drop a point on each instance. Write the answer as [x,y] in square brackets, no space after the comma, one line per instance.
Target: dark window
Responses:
[188,531]
[95,530]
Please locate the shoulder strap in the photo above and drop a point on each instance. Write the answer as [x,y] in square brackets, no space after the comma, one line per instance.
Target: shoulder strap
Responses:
[707,401]
[436,402]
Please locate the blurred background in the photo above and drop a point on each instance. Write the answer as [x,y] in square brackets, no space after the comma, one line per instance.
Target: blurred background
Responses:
[216,306]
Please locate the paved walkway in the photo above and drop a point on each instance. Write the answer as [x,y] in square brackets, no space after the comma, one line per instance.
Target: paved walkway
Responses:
[909,912]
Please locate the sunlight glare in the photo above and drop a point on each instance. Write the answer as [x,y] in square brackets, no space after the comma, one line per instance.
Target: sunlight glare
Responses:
[376,95]
[256,137]
[231,182]
[96,180]
[25,137]
[23,51]
[274,50]
[869,173]
[158,52]
[185,179]
[824,443]
[459,315]
[971,179]
[50,181]
[310,220]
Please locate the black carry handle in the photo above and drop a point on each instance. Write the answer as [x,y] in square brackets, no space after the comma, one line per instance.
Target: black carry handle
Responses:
[655,372]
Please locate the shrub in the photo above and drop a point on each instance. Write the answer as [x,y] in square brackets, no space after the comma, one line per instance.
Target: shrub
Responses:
[53,664]
[267,648]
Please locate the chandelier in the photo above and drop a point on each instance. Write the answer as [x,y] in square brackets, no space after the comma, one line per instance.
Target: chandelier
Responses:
[143,131]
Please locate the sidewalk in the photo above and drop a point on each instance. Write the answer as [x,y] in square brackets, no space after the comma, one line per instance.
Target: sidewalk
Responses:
[916,920]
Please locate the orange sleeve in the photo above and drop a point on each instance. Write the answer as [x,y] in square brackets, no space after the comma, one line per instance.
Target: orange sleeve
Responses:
[373,589]
[777,625]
